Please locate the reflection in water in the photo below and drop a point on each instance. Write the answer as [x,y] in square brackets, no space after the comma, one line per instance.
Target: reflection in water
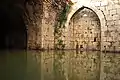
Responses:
[59,65]
[70,65]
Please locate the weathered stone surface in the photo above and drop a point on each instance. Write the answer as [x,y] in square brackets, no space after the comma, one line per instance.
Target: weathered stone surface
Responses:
[112,12]
[85,29]
[46,15]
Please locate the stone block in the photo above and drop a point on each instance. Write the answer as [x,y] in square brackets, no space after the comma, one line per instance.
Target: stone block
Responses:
[117,22]
[115,38]
[117,6]
[103,38]
[118,11]
[115,2]
[110,22]
[111,28]
[110,7]
[113,12]
[104,3]
[109,39]
[116,44]
[104,43]
[109,17]
[116,17]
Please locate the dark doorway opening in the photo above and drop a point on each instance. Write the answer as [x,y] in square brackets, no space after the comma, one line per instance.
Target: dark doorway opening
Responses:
[13,33]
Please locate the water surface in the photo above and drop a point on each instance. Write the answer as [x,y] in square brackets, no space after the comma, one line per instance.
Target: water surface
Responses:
[59,65]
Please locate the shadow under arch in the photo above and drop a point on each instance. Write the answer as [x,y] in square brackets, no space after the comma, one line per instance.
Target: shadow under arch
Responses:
[13,31]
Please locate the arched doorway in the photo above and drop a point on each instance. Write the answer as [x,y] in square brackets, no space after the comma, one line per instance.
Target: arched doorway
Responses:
[13,31]
[85,29]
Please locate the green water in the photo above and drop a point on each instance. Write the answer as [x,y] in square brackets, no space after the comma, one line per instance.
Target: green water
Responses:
[59,65]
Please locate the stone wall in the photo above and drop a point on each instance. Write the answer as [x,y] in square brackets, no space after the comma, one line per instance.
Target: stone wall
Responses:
[84,30]
[33,19]
[40,17]
[41,30]
[48,21]
[110,34]
[108,13]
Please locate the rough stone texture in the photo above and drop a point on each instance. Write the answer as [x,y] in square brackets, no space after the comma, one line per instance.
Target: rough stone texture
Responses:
[40,18]
[109,16]
[108,11]
[112,34]
[51,12]
[85,30]
[33,20]
[48,22]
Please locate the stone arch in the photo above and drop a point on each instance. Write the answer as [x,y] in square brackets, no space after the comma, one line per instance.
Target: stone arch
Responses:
[99,13]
